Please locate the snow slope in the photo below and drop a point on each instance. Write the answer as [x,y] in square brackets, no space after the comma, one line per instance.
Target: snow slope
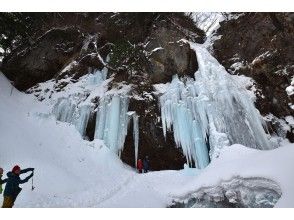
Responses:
[65,165]
[71,172]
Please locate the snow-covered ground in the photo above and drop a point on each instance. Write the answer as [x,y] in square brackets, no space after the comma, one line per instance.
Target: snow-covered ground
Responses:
[72,172]
[69,171]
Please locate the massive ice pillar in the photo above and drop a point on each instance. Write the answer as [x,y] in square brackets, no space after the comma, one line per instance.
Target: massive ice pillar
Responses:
[179,112]
[210,112]
[112,123]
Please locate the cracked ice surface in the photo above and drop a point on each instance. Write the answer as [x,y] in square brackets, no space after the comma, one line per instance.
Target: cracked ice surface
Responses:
[210,112]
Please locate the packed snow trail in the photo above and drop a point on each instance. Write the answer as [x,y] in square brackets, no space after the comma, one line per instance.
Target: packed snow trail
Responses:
[210,112]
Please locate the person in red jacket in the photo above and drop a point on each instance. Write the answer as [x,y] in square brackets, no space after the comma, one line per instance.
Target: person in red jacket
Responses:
[139,166]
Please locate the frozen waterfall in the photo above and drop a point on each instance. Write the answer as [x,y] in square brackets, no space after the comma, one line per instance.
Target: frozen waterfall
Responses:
[210,112]
[112,115]
[71,109]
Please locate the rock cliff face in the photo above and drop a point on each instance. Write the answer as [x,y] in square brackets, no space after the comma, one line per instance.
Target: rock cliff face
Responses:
[43,59]
[168,54]
[260,45]
[138,42]
[144,48]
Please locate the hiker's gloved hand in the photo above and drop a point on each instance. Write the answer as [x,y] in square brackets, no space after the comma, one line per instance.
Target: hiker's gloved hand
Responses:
[32,169]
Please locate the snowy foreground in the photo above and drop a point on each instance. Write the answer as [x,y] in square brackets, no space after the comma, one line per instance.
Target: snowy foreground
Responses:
[72,172]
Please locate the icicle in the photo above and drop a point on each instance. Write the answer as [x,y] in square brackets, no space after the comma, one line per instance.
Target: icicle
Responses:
[66,111]
[212,106]
[136,135]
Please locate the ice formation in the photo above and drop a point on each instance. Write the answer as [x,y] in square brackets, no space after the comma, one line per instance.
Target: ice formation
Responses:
[210,112]
[112,123]
[67,111]
[136,135]
[112,116]
[71,109]
[98,77]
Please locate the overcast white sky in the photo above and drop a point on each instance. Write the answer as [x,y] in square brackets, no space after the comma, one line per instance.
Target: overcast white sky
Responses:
[149,5]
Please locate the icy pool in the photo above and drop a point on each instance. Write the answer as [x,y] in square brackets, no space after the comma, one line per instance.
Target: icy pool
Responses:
[239,192]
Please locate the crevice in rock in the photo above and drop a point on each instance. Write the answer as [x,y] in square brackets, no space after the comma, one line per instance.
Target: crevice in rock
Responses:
[90,130]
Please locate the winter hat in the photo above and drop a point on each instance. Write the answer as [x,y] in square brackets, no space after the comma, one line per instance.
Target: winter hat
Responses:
[15,168]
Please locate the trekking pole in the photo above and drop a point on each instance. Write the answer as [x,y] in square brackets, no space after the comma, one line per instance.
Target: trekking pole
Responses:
[11,89]
[33,182]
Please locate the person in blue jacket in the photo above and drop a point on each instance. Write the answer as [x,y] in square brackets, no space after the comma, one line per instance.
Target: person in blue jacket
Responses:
[12,188]
[146,166]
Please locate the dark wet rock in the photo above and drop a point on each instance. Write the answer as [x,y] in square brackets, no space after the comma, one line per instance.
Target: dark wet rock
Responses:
[169,55]
[42,60]
[83,39]
[162,152]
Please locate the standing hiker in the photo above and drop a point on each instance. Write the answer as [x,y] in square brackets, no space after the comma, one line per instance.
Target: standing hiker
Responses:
[12,188]
[146,164]
[1,181]
[139,166]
